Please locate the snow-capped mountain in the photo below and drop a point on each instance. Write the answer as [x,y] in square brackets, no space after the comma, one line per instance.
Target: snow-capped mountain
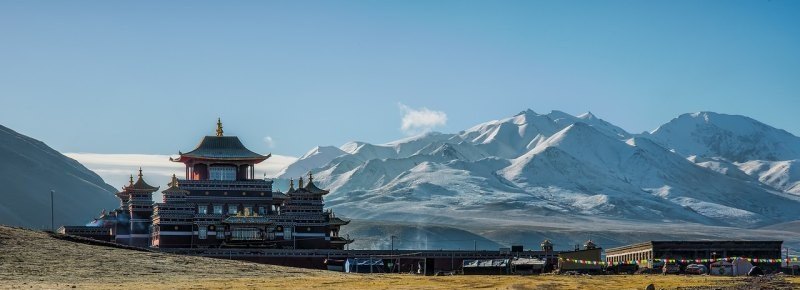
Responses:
[512,137]
[556,167]
[781,175]
[735,138]
[315,158]
[29,169]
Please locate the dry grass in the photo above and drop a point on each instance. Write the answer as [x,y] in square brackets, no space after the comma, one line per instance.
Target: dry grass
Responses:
[795,281]
[30,259]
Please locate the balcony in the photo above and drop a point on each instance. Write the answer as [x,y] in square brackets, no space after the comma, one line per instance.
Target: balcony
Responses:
[252,184]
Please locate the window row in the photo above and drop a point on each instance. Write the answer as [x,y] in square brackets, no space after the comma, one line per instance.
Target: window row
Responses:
[233,209]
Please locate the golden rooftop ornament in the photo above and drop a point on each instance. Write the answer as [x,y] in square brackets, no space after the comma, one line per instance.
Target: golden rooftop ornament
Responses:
[219,127]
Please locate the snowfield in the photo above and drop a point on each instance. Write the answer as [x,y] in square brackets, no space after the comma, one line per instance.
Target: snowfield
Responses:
[701,170]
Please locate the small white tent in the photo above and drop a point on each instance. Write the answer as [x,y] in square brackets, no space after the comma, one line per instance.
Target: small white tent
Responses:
[721,268]
[739,267]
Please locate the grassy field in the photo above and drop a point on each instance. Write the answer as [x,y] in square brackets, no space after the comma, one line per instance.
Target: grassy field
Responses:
[30,259]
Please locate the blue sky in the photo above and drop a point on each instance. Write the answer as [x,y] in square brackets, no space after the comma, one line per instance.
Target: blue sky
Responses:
[152,77]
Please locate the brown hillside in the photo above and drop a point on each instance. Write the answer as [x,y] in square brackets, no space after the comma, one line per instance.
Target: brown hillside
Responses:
[38,260]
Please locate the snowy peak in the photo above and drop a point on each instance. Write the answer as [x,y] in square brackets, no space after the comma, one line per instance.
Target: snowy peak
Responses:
[314,158]
[733,137]
[323,150]
[587,116]
[514,136]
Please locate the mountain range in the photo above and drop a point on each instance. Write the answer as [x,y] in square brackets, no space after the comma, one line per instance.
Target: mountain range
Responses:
[712,172]
[29,169]
[515,180]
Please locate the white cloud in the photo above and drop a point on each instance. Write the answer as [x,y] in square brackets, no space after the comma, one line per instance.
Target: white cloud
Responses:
[416,121]
[116,169]
[270,142]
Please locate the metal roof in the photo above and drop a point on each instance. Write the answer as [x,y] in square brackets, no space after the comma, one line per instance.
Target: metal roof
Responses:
[485,263]
[140,185]
[222,147]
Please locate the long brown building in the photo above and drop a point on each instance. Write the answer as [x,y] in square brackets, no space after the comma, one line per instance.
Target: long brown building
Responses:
[651,254]
[220,203]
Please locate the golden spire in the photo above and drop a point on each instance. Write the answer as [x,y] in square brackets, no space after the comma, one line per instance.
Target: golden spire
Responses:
[300,182]
[219,127]
[291,183]
[174,182]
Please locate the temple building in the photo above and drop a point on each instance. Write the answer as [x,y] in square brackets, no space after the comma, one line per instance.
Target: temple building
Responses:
[129,224]
[220,203]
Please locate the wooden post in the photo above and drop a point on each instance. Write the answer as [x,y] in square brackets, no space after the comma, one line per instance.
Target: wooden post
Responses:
[52,212]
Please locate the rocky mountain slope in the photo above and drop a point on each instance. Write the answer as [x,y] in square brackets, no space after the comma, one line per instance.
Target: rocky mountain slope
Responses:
[29,169]
[705,168]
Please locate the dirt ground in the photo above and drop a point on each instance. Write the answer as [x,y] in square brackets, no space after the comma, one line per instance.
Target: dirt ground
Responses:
[31,259]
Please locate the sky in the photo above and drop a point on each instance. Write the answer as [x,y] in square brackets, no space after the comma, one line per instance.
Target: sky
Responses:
[152,77]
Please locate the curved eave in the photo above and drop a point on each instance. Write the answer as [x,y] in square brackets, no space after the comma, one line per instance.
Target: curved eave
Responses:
[311,192]
[146,190]
[187,158]
[173,190]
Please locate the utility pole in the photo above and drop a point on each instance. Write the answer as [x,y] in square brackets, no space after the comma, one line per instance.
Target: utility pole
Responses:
[52,212]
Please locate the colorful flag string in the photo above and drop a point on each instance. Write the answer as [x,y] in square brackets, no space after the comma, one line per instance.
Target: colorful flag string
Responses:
[681,261]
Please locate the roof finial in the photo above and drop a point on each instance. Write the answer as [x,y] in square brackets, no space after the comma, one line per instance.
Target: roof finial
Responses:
[140,172]
[131,181]
[291,183]
[310,177]
[300,182]
[219,127]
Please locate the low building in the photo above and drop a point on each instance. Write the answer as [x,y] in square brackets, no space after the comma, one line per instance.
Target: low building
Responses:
[528,266]
[93,232]
[586,260]
[364,265]
[653,254]
[486,267]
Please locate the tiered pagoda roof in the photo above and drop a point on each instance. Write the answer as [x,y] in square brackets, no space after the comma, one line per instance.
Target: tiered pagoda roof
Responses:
[219,147]
[173,187]
[140,185]
[338,221]
[308,188]
[334,220]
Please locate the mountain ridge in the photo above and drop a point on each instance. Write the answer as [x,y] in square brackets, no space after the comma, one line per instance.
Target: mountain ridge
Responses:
[532,165]
[30,169]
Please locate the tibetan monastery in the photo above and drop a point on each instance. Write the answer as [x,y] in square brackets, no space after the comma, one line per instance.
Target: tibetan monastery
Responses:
[219,203]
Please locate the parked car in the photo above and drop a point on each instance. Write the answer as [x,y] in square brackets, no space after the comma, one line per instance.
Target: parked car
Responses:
[671,269]
[697,269]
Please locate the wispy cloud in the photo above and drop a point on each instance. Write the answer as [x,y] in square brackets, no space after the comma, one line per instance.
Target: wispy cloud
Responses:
[421,120]
[270,142]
